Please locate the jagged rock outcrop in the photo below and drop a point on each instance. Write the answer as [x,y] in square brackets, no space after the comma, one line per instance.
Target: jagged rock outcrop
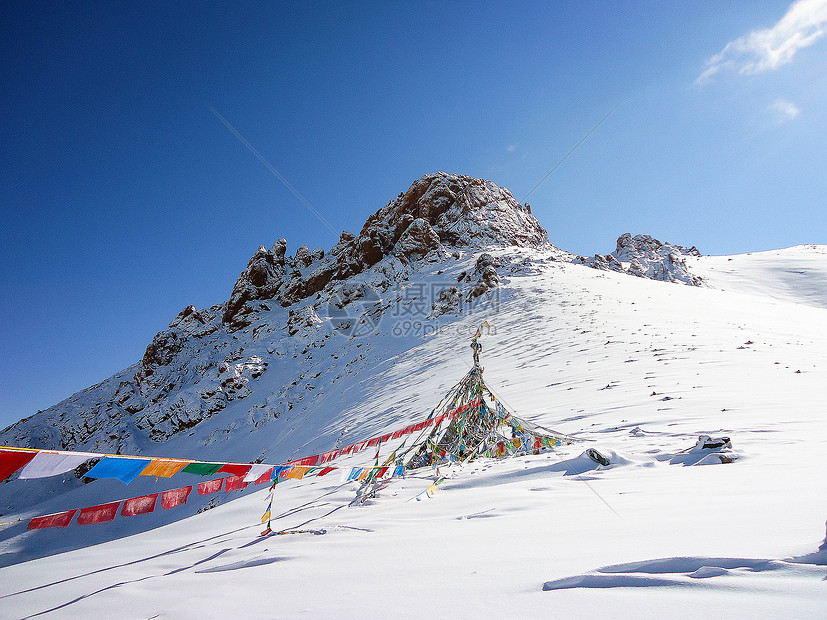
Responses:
[437,210]
[471,285]
[418,239]
[486,274]
[301,319]
[646,257]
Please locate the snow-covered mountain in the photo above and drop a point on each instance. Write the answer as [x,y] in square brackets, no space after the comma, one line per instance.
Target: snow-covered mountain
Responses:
[282,307]
[320,349]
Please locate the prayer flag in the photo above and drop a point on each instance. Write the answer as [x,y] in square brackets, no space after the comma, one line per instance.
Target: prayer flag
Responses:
[175,497]
[297,472]
[328,456]
[12,460]
[139,505]
[210,486]
[98,514]
[235,469]
[233,483]
[124,469]
[257,471]
[279,471]
[47,464]
[164,468]
[365,473]
[326,470]
[355,473]
[59,519]
[381,471]
[385,438]
[398,434]
[346,450]
[202,469]
[373,442]
[399,470]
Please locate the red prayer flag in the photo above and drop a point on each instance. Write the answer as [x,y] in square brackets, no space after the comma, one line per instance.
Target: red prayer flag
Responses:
[374,441]
[98,514]
[398,434]
[328,456]
[235,470]
[210,486]
[12,460]
[385,438]
[139,505]
[381,472]
[175,497]
[346,450]
[310,461]
[234,482]
[60,519]
[326,470]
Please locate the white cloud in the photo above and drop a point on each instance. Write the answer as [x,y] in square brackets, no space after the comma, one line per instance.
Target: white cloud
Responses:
[511,148]
[765,50]
[784,110]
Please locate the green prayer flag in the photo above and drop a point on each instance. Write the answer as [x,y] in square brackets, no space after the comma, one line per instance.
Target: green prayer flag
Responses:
[202,469]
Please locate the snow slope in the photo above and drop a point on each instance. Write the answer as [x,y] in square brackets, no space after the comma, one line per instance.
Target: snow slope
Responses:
[635,368]
[796,274]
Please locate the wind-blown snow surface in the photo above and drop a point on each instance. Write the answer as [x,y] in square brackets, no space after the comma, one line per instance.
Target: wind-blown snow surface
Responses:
[635,368]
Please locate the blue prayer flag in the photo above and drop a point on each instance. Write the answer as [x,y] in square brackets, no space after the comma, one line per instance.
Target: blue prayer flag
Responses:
[124,469]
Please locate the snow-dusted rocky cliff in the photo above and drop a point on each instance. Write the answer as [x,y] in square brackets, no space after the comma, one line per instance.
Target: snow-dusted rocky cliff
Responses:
[422,258]
[646,257]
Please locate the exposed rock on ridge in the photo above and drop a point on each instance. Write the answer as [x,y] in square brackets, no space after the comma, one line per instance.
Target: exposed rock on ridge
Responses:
[438,210]
[646,257]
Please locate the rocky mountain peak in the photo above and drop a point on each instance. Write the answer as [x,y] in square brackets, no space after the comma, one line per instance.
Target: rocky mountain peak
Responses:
[438,211]
[463,211]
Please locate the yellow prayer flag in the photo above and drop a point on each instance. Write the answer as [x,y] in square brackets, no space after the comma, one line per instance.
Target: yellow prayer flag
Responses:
[164,468]
[297,473]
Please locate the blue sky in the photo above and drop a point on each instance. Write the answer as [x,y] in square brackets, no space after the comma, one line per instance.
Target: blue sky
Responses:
[125,198]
